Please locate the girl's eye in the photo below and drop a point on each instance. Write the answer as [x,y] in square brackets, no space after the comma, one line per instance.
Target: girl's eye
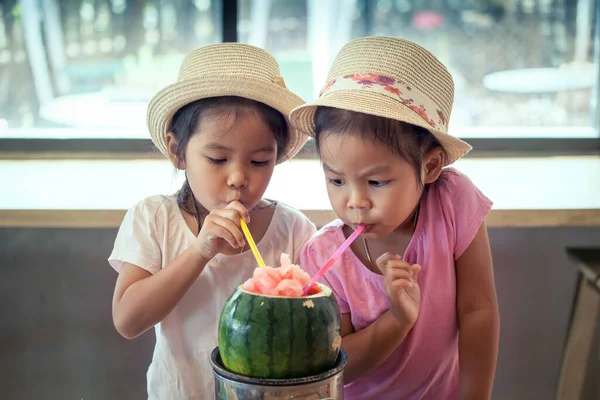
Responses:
[378,183]
[336,182]
[260,163]
[216,160]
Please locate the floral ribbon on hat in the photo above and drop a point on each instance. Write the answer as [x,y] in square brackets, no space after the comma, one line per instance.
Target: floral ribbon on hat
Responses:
[410,97]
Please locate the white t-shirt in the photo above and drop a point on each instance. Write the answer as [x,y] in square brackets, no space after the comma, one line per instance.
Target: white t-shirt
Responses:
[151,235]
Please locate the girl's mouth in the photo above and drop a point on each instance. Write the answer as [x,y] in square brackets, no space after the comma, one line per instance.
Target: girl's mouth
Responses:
[367,227]
[238,200]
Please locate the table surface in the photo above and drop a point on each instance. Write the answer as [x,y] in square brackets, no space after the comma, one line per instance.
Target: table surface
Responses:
[539,80]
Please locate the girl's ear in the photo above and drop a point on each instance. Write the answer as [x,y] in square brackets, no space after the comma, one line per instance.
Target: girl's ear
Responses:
[432,165]
[172,145]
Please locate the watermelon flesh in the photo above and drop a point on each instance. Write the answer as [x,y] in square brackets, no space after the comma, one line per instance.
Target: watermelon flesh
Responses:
[287,280]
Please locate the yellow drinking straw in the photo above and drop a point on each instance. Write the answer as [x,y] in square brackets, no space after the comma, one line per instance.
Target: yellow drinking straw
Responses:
[250,241]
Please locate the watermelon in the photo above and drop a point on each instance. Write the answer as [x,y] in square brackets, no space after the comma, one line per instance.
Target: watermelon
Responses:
[275,337]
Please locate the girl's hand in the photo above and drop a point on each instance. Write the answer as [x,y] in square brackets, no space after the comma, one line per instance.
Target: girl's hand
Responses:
[220,228]
[401,287]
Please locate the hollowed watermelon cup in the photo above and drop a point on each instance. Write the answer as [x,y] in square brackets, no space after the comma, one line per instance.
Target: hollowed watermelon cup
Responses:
[275,337]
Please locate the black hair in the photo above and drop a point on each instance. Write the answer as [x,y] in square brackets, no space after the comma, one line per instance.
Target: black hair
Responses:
[187,120]
[407,141]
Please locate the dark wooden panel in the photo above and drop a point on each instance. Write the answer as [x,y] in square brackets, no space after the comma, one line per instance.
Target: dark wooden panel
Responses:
[57,340]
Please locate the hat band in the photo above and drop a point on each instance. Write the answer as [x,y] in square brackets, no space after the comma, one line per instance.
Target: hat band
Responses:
[418,102]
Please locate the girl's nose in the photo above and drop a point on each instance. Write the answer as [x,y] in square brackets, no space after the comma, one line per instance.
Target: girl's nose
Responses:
[358,201]
[237,179]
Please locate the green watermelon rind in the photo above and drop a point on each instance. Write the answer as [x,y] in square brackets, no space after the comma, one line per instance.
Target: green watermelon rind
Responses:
[274,337]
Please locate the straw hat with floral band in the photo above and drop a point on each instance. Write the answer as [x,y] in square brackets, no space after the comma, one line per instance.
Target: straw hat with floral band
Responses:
[225,69]
[392,78]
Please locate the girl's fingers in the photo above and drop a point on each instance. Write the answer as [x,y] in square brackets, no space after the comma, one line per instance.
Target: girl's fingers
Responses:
[413,270]
[395,268]
[241,211]
[222,233]
[416,268]
[228,213]
[399,265]
[401,284]
[384,259]
[227,230]
[394,275]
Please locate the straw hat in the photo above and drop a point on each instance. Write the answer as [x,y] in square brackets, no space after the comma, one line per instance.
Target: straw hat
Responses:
[225,69]
[392,78]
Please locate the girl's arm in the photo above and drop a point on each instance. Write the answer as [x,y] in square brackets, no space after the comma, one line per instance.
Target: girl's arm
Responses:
[478,319]
[368,348]
[141,300]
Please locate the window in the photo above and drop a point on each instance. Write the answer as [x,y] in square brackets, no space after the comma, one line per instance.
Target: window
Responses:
[526,71]
[86,69]
[522,68]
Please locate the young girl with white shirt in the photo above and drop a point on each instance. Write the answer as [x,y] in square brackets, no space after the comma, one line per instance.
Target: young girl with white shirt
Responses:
[179,257]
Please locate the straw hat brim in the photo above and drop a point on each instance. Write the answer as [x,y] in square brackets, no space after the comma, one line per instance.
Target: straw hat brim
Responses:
[167,101]
[302,117]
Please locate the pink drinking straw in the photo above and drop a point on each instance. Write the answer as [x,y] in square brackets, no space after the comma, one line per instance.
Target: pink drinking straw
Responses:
[333,258]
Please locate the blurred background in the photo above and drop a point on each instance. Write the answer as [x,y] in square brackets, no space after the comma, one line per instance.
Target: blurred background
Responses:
[87,68]
[75,154]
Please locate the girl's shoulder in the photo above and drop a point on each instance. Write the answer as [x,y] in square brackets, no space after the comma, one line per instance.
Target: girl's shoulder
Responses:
[157,202]
[155,211]
[329,235]
[453,188]
[455,206]
[453,182]
[290,217]
[141,239]
[152,206]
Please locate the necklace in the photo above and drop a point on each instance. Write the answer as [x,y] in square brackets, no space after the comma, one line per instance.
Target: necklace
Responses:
[371,265]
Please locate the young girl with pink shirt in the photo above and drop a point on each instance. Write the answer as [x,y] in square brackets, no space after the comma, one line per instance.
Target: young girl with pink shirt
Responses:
[417,295]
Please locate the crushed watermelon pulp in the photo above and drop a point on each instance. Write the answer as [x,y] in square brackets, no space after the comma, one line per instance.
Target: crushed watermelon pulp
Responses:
[287,280]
